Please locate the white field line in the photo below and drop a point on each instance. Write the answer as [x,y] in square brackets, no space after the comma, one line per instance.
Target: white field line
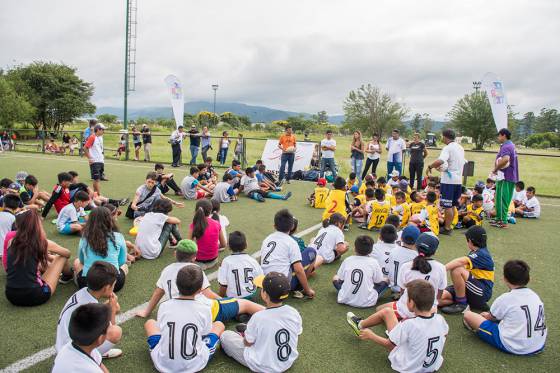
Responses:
[37,357]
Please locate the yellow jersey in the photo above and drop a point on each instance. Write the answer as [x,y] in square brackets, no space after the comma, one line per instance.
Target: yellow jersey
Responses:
[379,213]
[321,194]
[455,217]
[361,199]
[392,199]
[433,218]
[336,202]
[362,189]
[476,214]
[350,183]
[403,212]
[416,207]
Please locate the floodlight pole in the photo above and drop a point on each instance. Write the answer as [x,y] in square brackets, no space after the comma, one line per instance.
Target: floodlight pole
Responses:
[125,119]
[215,88]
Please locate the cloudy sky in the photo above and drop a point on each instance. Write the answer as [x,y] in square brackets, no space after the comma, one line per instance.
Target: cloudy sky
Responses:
[299,55]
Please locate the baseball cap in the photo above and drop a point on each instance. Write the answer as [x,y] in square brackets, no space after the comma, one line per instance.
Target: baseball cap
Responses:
[427,244]
[395,173]
[187,246]
[21,175]
[99,126]
[403,185]
[193,126]
[14,186]
[410,234]
[322,181]
[355,189]
[275,284]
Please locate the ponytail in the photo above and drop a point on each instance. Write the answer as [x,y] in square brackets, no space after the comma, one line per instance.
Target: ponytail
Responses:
[200,223]
[421,264]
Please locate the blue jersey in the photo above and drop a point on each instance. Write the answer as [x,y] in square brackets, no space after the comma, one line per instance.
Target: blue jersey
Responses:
[481,267]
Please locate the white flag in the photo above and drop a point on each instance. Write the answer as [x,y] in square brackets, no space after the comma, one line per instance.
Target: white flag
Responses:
[176,94]
[496,93]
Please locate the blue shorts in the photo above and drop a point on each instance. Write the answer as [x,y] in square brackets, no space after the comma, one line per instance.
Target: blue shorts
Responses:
[211,341]
[307,258]
[228,309]
[450,194]
[489,332]
[67,229]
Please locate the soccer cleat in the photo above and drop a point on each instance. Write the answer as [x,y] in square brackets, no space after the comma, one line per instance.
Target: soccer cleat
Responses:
[112,353]
[260,198]
[454,308]
[65,279]
[288,195]
[354,322]
[446,232]
[297,294]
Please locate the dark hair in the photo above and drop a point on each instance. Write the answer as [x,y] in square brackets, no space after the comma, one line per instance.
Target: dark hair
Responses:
[370,193]
[215,209]
[237,241]
[201,166]
[262,168]
[339,183]
[413,195]
[381,180]
[477,197]
[189,280]
[531,189]
[159,166]
[249,170]
[283,221]
[294,226]
[352,175]
[183,257]
[477,235]
[193,170]
[431,197]
[73,173]
[64,176]
[162,206]
[334,219]
[30,241]
[203,210]
[400,194]
[421,263]
[393,220]
[81,196]
[208,159]
[363,245]
[227,177]
[100,228]
[422,293]
[329,131]
[448,133]
[88,322]
[505,132]
[259,161]
[388,233]
[152,176]
[520,184]
[516,272]
[101,274]
[11,201]
[31,180]
[235,162]
[370,183]
[379,194]
[479,189]
[489,180]
[5,182]
[396,130]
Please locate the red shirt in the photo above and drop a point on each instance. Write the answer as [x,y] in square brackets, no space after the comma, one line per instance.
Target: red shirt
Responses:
[64,198]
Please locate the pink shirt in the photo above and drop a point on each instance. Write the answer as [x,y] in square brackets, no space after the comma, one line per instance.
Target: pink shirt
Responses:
[209,243]
[9,236]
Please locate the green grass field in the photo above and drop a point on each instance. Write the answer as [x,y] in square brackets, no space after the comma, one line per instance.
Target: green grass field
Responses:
[327,343]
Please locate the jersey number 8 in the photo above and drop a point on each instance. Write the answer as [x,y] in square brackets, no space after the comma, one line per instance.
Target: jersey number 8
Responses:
[282,338]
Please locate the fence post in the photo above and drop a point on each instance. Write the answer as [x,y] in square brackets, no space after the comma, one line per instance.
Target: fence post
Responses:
[81,149]
[126,147]
[43,133]
[244,153]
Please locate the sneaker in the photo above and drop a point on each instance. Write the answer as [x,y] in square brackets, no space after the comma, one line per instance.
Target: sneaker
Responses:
[65,279]
[500,225]
[240,328]
[124,202]
[446,232]
[260,198]
[288,195]
[346,228]
[288,181]
[298,294]
[243,318]
[354,322]
[363,226]
[454,308]
[112,353]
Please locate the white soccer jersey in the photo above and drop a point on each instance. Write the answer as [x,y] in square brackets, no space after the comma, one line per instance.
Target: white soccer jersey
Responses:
[79,298]
[520,196]
[487,199]
[278,252]
[274,333]
[397,258]
[183,324]
[360,274]
[381,252]
[535,205]
[168,279]
[70,359]
[522,326]
[437,277]
[419,344]
[326,240]
[237,273]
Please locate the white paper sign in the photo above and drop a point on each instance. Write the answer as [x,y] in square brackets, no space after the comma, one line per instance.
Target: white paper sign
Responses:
[272,153]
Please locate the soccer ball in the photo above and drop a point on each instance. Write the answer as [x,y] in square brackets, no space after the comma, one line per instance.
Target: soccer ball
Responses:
[498,160]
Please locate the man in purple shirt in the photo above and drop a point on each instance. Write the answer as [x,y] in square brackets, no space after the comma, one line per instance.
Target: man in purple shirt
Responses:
[506,171]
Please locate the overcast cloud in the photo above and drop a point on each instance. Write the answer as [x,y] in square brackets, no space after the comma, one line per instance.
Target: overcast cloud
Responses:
[294,54]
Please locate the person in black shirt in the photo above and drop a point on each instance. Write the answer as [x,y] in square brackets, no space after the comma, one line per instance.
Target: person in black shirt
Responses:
[194,136]
[147,140]
[417,154]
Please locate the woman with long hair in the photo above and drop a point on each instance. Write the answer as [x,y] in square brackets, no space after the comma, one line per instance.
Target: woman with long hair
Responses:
[207,233]
[357,158]
[33,262]
[101,240]
[373,153]
[224,146]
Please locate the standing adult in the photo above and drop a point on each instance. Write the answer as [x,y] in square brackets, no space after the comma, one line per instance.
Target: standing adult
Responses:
[224,146]
[357,154]
[137,142]
[205,143]
[287,143]
[88,131]
[176,139]
[450,162]
[328,147]
[373,154]
[194,137]
[147,140]
[94,151]
[418,153]
[507,174]
[395,147]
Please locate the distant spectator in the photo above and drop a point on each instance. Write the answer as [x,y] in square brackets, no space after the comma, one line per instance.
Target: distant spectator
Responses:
[395,147]
[194,136]
[147,140]
[206,143]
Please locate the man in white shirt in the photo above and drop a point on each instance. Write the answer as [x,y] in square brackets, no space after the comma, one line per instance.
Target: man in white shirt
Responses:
[328,146]
[93,149]
[395,147]
[450,163]
[176,140]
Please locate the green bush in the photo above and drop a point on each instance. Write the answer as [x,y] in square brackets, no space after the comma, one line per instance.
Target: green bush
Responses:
[543,140]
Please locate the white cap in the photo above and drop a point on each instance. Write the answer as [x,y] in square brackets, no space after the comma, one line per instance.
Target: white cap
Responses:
[395,173]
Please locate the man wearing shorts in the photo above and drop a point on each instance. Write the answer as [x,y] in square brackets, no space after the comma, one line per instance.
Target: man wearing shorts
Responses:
[94,151]
[450,163]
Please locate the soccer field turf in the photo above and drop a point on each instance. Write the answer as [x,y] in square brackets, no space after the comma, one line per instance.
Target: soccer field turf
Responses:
[327,343]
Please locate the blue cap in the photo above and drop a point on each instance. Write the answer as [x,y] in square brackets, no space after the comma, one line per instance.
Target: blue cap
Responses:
[427,244]
[410,234]
[355,189]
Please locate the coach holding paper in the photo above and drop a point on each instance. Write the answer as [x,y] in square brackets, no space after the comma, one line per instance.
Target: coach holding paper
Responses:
[287,143]
[507,174]
[451,161]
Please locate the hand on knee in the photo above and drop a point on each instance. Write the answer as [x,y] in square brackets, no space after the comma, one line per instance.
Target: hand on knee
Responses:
[114,334]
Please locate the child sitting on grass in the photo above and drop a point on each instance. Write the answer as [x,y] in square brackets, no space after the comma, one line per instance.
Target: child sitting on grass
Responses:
[224,192]
[473,215]
[416,344]
[360,212]
[430,215]
[403,253]
[222,219]
[531,208]
[329,242]
[191,187]
[238,270]
[318,198]
[383,247]
[31,195]
[380,209]
[156,229]
[72,217]
[520,194]
[166,181]
[250,185]
[207,233]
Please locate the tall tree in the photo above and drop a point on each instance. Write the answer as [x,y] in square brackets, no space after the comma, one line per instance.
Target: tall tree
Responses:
[527,124]
[372,111]
[548,121]
[55,91]
[13,107]
[416,122]
[322,117]
[109,118]
[427,124]
[472,116]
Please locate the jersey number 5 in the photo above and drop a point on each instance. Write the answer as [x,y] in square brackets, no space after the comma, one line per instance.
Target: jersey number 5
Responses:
[431,352]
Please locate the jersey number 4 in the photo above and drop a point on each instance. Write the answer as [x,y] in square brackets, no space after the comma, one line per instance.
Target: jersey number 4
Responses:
[539,326]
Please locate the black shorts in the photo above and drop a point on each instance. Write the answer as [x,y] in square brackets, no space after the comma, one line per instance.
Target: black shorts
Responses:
[450,194]
[137,145]
[97,170]
[474,293]
[121,276]
[29,297]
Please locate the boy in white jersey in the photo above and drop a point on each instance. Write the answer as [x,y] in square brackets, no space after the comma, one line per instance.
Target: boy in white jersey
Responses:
[358,275]
[270,340]
[184,338]
[71,219]
[88,330]
[415,345]
[531,208]
[280,253]
[516,322]
[329,242]
[383,248]
[101,279]
[406,252]
[238,270]
[223,309]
